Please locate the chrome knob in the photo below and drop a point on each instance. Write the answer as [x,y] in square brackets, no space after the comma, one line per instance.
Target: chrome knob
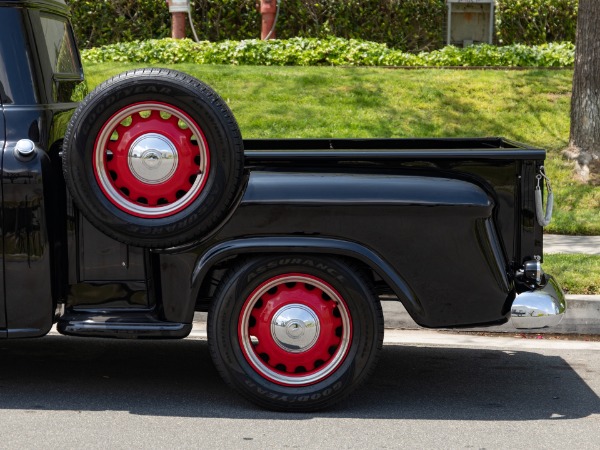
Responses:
[25,148]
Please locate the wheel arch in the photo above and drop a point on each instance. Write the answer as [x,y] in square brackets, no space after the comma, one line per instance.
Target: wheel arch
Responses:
[305,245]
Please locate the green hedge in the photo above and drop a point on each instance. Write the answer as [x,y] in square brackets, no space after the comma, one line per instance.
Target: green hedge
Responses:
[536,21]
[409,25]
[331,51]
[101,22]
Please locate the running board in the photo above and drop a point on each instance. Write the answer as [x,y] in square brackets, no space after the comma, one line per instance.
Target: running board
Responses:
[120,324]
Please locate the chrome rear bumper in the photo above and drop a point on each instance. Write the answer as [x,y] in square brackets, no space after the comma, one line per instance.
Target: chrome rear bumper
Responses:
[539,308]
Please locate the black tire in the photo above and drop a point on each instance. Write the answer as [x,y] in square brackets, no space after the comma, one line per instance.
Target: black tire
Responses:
[271,364]
[153,158]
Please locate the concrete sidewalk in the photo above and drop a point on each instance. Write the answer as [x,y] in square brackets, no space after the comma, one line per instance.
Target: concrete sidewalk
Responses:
[582,317]
[456,339]
[554,243]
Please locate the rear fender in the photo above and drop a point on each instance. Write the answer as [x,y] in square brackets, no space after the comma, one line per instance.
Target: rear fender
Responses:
[305,245]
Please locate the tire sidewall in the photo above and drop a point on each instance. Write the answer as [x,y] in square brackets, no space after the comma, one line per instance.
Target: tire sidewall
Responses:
[223,333]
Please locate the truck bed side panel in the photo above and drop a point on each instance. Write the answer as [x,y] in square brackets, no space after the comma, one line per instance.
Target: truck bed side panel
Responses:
[437,233]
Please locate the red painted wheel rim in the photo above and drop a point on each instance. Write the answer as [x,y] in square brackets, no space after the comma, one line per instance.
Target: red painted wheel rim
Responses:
[295,330]
[151,160]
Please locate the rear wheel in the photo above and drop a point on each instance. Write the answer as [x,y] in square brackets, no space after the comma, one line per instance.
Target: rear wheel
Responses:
[295,333]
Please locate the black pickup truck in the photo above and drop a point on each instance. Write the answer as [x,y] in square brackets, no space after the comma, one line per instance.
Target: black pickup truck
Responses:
[127,210]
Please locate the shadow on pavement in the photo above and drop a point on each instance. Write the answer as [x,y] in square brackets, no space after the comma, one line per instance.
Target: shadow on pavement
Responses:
[177,378]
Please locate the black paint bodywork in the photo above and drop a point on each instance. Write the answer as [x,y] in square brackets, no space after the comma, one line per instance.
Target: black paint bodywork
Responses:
[440,224]
[434,219]
[36,104]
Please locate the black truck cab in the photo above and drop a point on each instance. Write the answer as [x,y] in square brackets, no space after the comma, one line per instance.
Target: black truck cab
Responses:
[41,79]
[41,83]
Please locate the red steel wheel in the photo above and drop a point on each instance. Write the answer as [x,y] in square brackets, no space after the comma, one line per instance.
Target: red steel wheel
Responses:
[295,329]
[295,332]
[151,159]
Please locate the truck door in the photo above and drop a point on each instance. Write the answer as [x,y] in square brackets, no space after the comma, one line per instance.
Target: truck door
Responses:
[2,145]
[3,96]
[26,301]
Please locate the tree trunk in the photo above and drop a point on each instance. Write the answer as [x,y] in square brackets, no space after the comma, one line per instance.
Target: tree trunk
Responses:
[584,142]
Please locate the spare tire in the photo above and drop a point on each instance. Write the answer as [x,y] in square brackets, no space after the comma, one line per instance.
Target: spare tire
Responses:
[153,158]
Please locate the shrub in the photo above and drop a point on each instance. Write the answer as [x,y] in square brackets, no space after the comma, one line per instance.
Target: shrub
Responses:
[330,51]
[409,25]
[535,21]
[517,55]
[100,22]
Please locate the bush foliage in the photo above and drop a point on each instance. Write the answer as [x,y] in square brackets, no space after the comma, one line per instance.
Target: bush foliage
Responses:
[409,25]
[536,21]
[101,22]
[330,51]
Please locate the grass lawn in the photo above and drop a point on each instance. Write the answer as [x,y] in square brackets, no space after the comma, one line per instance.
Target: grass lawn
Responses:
[577,274]
[530,106]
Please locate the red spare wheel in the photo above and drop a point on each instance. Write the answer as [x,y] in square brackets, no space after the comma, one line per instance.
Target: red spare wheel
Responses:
[153,158]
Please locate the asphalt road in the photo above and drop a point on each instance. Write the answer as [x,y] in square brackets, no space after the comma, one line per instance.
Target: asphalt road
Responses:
[431,390]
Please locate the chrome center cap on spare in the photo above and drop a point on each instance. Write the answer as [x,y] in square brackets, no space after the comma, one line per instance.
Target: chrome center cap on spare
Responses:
[152,158]
[295,328]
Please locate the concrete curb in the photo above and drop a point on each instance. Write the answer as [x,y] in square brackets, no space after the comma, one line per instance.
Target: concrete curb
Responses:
[455,339]
[582,317]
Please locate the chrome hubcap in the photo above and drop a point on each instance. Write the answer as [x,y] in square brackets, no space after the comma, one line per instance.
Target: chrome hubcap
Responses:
[152,158]
[295,328]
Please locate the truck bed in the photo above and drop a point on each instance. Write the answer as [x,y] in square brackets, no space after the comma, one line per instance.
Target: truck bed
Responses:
[280,150]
